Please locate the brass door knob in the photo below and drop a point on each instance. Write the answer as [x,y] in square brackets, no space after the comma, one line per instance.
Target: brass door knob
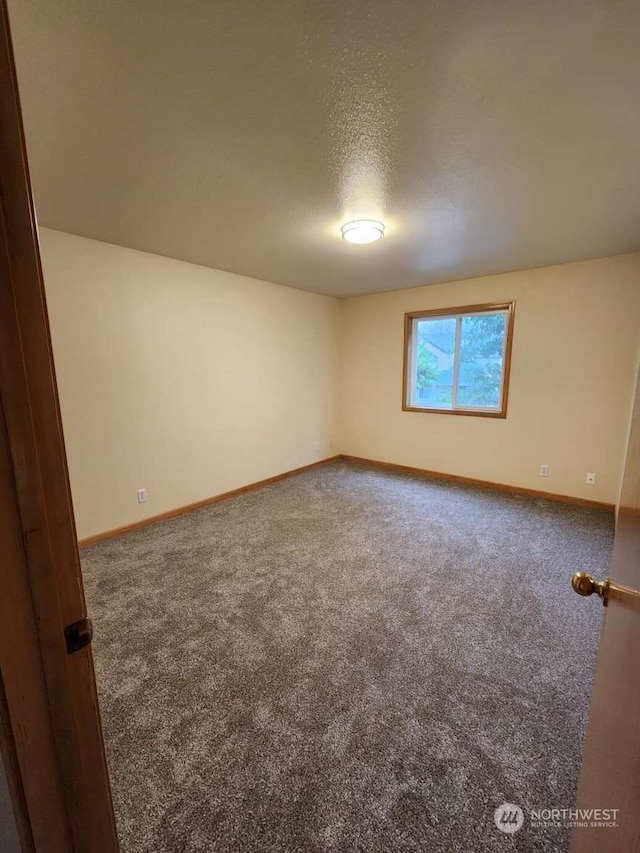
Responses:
[584,584]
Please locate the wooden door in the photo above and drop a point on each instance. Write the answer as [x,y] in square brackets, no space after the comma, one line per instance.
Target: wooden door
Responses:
[610,775]
[50,730]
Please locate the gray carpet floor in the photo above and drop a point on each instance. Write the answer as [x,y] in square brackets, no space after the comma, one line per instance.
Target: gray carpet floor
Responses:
[347,660]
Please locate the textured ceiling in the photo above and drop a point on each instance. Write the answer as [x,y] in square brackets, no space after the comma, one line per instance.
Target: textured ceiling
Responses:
[489,136]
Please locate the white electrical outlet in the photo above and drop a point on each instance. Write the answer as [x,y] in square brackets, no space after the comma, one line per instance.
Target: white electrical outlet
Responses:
[544,471]
[591,479]
[316,447]
[330,444]
[142,495]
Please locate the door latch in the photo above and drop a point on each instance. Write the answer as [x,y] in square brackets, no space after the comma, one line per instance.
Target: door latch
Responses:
[78,635]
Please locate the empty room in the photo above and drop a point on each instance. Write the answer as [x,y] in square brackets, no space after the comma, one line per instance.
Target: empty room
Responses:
[321,431]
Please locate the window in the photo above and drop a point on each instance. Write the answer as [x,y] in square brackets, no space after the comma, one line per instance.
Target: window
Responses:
[456,360]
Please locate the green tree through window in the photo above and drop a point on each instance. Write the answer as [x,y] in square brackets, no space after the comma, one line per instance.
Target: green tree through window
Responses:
[427,368]
[480,372]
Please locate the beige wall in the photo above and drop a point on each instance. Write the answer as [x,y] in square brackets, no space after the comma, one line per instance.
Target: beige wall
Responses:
[180,379]
[576,334]
[190,382]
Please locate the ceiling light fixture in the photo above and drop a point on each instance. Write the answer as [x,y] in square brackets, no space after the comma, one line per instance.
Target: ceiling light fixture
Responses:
[363,231]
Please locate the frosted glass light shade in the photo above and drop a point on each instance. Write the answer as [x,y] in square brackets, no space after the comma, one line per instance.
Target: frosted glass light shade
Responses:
[363,231]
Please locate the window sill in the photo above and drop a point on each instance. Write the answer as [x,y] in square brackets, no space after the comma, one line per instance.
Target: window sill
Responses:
[474,413]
